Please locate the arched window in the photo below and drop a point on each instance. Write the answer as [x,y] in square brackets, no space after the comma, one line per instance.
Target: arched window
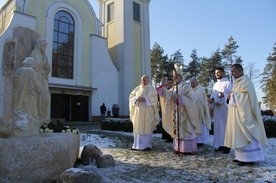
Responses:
[63,45]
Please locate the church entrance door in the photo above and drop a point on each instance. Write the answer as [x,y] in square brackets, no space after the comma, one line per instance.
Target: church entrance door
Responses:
[69,107]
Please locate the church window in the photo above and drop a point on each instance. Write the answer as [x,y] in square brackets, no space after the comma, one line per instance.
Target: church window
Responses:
[136,12]
[63,45]
[110,12]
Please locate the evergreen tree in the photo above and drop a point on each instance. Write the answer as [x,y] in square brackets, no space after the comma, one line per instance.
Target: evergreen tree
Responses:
[229,55]
[208,65]
[158,59]
[206,73]
[176,57]
[269,81]
[193,68]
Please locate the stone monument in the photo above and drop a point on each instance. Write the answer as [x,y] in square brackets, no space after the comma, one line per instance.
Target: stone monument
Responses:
[26,155]
[31,92]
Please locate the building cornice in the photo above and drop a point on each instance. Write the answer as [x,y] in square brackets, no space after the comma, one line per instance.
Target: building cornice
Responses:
[71,87]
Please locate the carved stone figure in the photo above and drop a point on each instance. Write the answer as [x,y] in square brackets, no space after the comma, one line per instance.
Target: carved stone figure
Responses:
[43,71]
[31,93]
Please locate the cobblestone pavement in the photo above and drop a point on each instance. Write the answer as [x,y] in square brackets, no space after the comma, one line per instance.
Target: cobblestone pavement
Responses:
[162,165]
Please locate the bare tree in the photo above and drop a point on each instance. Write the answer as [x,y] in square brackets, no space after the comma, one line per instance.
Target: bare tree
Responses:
[252,72]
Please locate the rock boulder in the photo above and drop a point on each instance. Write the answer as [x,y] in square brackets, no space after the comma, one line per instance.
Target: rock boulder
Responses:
[38,158]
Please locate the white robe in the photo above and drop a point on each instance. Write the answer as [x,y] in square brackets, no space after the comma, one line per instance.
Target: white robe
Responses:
[245,129]
[203,115]
[220,110]
[144,115]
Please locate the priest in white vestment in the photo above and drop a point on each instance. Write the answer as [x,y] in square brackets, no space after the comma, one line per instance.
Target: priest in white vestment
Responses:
[218,99]
[178,114]
[162,102]
[202,111]
[143,114]
[245,129]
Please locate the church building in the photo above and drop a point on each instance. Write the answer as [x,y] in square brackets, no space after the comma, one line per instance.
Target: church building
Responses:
[93,61]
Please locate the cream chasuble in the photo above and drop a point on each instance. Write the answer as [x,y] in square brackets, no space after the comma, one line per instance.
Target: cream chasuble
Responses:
[187,119]
[144,115]
[244,118]
[201,105]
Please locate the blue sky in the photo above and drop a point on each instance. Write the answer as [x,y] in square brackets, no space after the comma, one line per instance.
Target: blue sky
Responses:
[206,25]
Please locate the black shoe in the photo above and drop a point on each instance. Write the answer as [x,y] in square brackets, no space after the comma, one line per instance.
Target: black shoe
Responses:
[226,150]
[189,153]
[147,149]
[221,148]
[200,144]
[241,163]
[169,140]
[235,161]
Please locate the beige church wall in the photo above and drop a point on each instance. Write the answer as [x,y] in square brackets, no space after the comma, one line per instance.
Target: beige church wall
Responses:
[105,76]
[83,7]
[86,24]
[137,53]
[111,43]
[111,34]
